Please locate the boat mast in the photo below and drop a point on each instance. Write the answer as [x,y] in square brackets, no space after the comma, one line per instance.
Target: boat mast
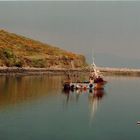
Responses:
[94,67]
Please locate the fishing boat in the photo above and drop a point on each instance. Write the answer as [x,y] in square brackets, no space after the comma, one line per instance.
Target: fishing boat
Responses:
[96,81]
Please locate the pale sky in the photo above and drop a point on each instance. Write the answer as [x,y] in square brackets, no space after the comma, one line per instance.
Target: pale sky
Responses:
[111,29]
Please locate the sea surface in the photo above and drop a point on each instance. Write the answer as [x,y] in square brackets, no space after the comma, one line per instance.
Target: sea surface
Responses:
[36,108]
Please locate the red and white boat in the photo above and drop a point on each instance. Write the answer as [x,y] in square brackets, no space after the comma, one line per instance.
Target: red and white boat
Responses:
[96,81]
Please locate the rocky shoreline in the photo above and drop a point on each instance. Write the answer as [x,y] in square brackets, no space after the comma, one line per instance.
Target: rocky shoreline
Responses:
[120,71]
[41,71]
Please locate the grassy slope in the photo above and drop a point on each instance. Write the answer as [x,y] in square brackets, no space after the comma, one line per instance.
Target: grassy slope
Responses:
[20,51]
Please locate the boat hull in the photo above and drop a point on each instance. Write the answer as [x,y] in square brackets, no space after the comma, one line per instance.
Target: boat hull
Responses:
[84,85]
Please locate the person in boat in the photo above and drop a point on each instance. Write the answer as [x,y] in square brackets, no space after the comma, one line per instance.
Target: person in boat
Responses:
[98,80]
[67,79]
[67,82]
[92,75]
[93,78]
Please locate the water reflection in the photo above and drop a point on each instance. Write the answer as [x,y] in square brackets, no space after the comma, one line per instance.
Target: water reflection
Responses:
[94,98]
[72,95]
[16,89]
[19,89]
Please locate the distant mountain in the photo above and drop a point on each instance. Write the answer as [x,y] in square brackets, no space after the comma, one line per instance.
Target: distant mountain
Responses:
[19,51]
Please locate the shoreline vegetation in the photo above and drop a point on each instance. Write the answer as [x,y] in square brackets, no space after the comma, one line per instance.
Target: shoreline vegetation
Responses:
[20,51]
[53,71]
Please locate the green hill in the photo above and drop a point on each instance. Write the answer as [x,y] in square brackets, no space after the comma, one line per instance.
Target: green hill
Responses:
[19,51]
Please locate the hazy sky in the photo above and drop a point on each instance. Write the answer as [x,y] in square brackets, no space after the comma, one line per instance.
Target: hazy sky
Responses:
[112,29]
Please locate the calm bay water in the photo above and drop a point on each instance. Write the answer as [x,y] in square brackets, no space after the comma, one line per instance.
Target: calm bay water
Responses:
[34,107]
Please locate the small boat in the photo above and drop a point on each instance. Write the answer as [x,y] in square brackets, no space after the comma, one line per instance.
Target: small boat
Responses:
[96,81]
[138,122]
[84,85]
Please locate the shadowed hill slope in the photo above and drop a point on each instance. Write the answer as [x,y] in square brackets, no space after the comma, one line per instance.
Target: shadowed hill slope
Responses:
[19,51]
